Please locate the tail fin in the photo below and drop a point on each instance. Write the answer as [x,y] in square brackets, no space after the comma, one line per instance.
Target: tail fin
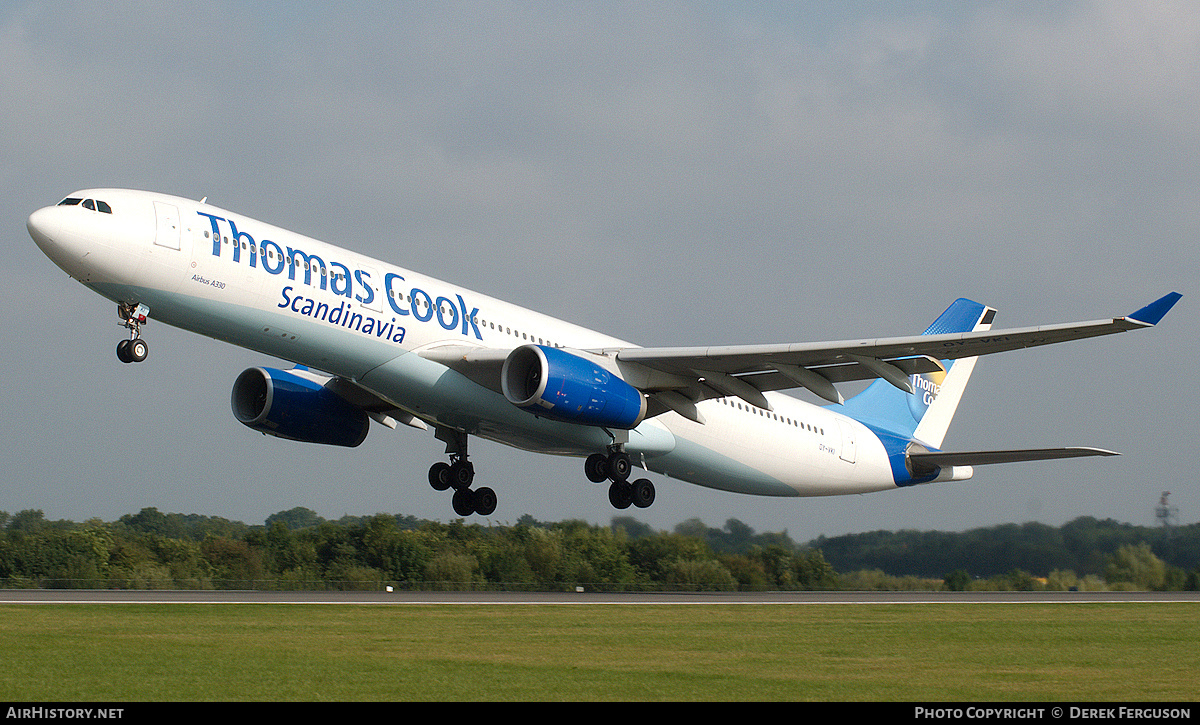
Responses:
[925,414]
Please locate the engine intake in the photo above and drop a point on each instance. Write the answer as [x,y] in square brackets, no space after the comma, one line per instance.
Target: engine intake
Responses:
[286,405]
[556,384]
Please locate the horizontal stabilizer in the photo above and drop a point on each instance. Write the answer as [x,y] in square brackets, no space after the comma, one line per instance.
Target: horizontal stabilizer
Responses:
[930,460]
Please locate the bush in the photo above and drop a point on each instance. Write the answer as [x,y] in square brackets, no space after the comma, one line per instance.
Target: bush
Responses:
[699,575]
[452,572]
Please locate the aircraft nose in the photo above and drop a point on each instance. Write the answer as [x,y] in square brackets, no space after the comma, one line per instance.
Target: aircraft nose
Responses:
[41,227]
[60,237]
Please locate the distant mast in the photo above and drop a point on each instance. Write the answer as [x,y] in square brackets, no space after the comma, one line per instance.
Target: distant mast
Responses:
[1167,514]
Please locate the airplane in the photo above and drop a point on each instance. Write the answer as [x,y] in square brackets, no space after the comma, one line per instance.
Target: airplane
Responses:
[371,341]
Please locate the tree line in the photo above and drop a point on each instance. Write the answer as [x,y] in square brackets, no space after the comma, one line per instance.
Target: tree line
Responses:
[1086,548]
[297,549]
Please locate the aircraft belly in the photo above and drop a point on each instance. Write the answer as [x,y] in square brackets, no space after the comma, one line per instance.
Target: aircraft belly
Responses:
[702,465]
[766,459]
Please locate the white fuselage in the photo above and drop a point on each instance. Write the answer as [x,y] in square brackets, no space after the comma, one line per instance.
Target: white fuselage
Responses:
[261,287]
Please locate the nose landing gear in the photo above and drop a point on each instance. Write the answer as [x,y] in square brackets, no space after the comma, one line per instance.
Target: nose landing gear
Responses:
[132,317]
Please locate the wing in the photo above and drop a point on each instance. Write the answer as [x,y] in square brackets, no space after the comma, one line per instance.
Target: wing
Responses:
[690,375]
[677,378]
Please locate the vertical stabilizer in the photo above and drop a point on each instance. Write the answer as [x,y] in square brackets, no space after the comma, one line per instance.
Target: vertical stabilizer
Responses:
[925,414]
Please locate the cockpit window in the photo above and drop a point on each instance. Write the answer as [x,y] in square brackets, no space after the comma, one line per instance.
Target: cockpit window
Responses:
[93,204]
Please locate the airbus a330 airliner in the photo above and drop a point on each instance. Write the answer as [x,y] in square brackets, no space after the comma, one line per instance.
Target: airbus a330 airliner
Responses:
[372,341]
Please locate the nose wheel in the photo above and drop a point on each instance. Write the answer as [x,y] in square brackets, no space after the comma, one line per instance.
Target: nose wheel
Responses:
[133,317]
[132,351]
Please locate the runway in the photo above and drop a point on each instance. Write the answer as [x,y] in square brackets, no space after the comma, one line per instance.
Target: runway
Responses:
[101,596]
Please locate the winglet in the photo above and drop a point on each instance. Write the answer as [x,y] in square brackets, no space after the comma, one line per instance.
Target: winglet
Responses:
[1155,311]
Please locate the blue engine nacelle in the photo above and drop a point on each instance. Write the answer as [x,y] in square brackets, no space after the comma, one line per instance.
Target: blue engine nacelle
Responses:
[555,384]
[286,405]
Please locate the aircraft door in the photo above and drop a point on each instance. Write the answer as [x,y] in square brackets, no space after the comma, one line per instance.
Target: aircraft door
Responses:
[167,231]
[849,444]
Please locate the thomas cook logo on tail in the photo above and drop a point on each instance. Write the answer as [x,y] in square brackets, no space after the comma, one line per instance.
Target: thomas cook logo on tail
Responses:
[926,387]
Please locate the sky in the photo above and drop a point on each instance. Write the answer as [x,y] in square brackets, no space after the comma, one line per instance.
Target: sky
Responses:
[670,173]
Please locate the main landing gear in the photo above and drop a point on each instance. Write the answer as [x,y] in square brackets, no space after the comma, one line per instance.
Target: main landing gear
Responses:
[616,466]
[132,317]
[458,474]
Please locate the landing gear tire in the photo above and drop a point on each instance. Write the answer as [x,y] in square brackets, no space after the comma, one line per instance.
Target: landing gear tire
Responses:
[641,493]
[138,350]
[439,476]
[596,468]
[619,466]
[132,351]
[462,474]
[463,502]
[485,501]
[620,494]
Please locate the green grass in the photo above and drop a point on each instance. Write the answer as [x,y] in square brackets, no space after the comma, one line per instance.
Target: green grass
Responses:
[196,652]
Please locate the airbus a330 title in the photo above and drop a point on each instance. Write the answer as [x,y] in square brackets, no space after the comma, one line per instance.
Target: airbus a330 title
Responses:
[355,285]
